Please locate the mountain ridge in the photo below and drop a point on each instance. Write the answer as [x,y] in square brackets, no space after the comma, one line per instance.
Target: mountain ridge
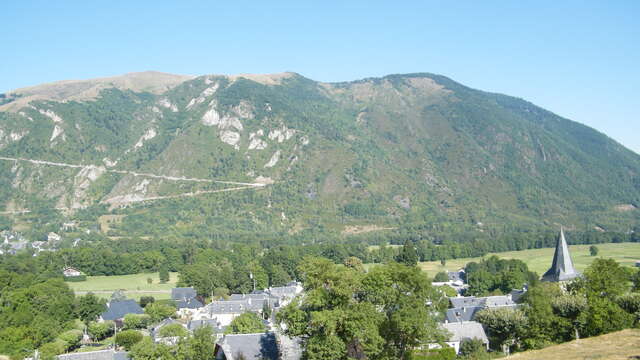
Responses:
[413,151]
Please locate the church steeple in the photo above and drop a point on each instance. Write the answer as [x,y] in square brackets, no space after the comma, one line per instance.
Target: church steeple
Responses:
[562,266]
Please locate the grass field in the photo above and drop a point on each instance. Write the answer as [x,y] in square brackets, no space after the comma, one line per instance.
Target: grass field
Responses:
[134,286]
[539,260]
[619,345]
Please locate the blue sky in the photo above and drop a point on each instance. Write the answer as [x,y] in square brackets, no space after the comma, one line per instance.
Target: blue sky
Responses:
[579,59]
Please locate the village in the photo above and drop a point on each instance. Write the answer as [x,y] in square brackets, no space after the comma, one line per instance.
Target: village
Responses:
[191,313]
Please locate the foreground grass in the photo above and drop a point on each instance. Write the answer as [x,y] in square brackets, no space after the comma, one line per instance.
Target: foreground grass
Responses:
[539,260]
[619,345]
[134,285]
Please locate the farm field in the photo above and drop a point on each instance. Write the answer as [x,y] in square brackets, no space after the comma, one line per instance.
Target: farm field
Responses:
[134,285]
[539,260]
[619,345]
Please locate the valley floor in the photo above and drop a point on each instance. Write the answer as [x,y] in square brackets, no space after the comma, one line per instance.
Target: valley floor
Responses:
[539,260]
[134,286]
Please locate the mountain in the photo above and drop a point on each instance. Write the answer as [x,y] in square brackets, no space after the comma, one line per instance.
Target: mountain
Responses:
[209,156]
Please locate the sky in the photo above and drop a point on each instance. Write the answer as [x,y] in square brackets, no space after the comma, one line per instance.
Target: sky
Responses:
[579,59]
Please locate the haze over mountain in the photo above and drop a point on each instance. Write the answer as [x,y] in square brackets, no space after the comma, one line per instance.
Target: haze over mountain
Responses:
[291,154]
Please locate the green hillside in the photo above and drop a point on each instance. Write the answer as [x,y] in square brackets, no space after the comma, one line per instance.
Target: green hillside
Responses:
[416,152]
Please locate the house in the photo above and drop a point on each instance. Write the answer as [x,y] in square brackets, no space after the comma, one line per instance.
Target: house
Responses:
[286,293]
[225,311]
[465,308]
[188,307]
[266,346]
[561,266]
[217,328]
[457,277]
[183,293]
[461,331]
[96,355]
[71,272]
[117,309]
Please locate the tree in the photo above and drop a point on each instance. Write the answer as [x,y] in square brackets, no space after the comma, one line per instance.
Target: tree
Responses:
[146,349]
[630,302]
[149,281]
[279,276]
[199,346]
[146,300]
[88,307]
[136,321]
[99,331]
[505,326]
[172,330]
[349,314]
[604,316]
[570,307]
[164,274]
[158,312]
[354,263]
[246,323]
[473,349]
[605,277]
[441,277]
[128,338]
[408,255]
[220,293]
[593,250]
[118,295]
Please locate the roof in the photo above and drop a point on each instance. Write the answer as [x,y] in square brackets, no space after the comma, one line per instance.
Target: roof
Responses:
[466,301]
[189,304]
[118,309]
[456,275]
[250,346]
[96,355]
[462,313]
[466,330]
[213,323]
[562,266]
[517,294]
[236,306]
[183,293]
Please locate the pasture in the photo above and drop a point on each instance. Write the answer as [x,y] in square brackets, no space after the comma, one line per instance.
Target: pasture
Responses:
[539,260]
[134,286]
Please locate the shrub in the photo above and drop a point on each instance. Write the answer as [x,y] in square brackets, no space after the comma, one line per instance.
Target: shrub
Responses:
[71,337]
[128,338]
[99,331]
[173,330]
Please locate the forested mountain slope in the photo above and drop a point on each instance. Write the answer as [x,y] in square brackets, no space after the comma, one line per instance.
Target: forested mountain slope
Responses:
[418,152]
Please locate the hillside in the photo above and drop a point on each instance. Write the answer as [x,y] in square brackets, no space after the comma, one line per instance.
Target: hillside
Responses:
[281,155]
[621,345]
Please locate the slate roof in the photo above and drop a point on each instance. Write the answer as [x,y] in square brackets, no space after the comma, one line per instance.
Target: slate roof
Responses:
[562,266]
[236,306]
[251,346]
[460,331]
[118,309]
[96,355]
[456,275]
[466,301]
[183,293]
[189,304]
[462,314]
[213,323]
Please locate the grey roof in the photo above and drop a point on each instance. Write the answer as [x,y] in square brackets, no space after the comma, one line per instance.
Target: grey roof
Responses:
[456,275]
[189,304]
[96,355]
[183,293]
[466,301]
[462,313]
[250,346]
[516,294]
[118,309]
[213,323]
[496,301]
[237,306]
[562,266]
[466,330]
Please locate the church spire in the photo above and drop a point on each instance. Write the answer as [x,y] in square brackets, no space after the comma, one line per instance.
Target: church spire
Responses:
[562,266]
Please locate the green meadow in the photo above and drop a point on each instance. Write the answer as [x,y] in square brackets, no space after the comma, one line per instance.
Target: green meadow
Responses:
[134,286]
[539,260]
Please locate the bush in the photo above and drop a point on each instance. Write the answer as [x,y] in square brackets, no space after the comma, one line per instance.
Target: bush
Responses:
[71,337]
[128,338]
[99,331]
[473,349]
[435,354]
[136,321]
[441,277]
[146,300]
[159,312]
[50,350]
[75,278]
[172,330]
